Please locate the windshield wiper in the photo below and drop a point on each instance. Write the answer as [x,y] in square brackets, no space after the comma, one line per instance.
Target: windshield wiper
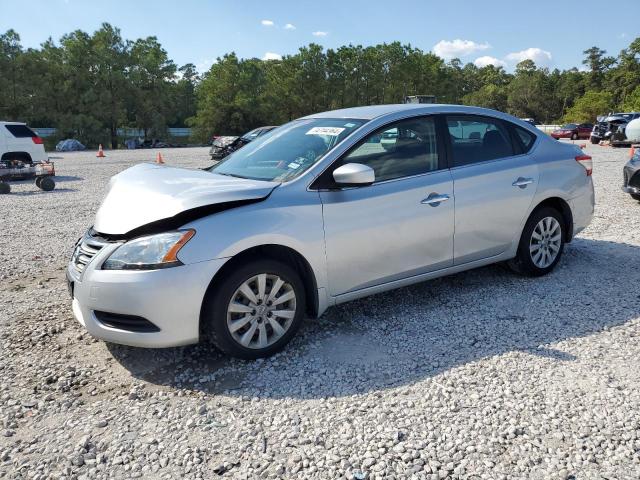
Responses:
[231,175]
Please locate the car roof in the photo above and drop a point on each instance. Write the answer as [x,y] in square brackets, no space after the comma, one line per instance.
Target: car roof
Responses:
[2,122]
[375,111]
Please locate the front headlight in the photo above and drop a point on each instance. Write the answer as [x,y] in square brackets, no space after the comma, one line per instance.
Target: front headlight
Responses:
[149,253]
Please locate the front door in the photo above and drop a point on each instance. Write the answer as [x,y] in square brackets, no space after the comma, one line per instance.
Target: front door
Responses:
[400,226]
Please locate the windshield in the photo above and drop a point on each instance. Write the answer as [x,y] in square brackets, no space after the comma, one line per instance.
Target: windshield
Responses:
[251,135]
[287,151]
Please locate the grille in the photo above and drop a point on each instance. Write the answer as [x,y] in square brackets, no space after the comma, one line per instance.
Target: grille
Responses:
[85,250]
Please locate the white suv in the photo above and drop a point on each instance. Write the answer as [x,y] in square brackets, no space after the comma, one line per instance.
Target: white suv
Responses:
[19,142]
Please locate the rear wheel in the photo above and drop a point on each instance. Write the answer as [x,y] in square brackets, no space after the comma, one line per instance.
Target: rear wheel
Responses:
[38,181]
[47,184]
[255,310]
[541,244]
[4,188]
[574,136]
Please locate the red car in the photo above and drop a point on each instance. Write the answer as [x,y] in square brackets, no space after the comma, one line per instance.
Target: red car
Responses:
[573,131]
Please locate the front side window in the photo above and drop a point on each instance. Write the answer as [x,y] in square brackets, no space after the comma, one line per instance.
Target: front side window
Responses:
[477,139]
[287,151]
[402,149]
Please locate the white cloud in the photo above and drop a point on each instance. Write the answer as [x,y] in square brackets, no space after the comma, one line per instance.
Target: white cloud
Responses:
[272,56]
[289,26]
[487,60]
[458,48]
[267,23]
[542,58]
[320,34]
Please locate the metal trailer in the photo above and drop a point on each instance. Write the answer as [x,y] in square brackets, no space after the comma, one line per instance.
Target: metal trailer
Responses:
[13,170]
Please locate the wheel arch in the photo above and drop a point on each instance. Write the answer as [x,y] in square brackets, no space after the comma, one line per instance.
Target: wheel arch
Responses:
[563,207]
[284,254]
[17,156]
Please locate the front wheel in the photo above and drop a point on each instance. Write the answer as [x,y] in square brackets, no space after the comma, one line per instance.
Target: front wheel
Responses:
[541,244]
[635,196]
[4,188]
[574,136]
[594,140]
[255,310]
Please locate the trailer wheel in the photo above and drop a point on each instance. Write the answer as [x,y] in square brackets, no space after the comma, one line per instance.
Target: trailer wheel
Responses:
[47,184]
[4,188]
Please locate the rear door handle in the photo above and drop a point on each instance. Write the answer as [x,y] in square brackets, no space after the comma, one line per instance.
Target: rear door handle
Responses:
[435,199]
[522,182]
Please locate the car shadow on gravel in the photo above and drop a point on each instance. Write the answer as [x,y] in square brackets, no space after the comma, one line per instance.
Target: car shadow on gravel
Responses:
[403,336]
[37,191]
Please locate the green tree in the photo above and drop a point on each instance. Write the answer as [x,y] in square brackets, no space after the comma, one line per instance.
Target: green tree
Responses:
[150,74]
[589,106]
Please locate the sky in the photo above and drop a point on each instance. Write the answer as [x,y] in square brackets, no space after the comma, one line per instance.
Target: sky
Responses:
[500,32]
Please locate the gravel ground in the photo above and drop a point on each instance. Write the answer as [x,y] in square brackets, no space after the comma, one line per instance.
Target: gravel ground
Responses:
[483,374]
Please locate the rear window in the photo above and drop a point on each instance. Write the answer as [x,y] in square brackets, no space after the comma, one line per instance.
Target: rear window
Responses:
[20,131]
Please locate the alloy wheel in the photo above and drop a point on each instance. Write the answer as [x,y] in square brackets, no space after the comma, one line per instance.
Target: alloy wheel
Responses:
[261,311]
[545,243]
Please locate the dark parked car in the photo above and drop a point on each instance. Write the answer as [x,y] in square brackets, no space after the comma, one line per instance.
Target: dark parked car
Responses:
[631,176]
[574,131]
[223,146]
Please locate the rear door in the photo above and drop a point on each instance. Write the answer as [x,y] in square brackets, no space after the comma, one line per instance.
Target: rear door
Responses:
[494,184]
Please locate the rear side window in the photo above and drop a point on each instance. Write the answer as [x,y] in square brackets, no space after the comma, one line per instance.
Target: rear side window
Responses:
[526,138]
[477,139]
[20,131]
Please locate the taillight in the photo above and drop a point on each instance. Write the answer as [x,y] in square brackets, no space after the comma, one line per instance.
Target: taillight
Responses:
[587,162]
[37,140]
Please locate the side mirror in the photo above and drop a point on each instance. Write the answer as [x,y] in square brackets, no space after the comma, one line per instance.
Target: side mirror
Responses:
[353,175]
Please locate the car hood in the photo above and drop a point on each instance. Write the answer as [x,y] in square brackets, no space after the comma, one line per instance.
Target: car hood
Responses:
[149,193]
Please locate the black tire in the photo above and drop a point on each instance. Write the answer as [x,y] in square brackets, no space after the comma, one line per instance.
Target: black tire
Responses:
[38,179]
[4,188]
[595,141]
[574,136]
[218,297]
[523,262]
[47,184]
[635,196]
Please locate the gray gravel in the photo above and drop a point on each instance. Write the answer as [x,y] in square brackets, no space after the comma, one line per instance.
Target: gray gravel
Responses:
[481,375]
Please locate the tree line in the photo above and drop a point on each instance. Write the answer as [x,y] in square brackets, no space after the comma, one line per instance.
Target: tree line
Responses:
[88,86]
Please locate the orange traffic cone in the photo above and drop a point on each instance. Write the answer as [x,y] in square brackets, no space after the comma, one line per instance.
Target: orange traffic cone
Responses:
[100,152]
[159,159]
[632,151]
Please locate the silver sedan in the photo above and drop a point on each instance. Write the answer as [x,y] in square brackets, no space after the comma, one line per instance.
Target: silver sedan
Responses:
[325,209]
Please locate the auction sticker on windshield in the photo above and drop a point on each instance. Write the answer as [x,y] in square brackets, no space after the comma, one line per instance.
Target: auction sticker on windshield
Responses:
[331,131]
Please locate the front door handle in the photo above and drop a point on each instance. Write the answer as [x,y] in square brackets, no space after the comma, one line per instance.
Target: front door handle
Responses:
[435,199]
[522,182]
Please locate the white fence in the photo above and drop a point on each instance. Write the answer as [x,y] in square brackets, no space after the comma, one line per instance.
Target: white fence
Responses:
[548,128]
[122,132]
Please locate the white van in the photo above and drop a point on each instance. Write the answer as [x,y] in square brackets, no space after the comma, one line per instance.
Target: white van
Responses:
[19,142]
